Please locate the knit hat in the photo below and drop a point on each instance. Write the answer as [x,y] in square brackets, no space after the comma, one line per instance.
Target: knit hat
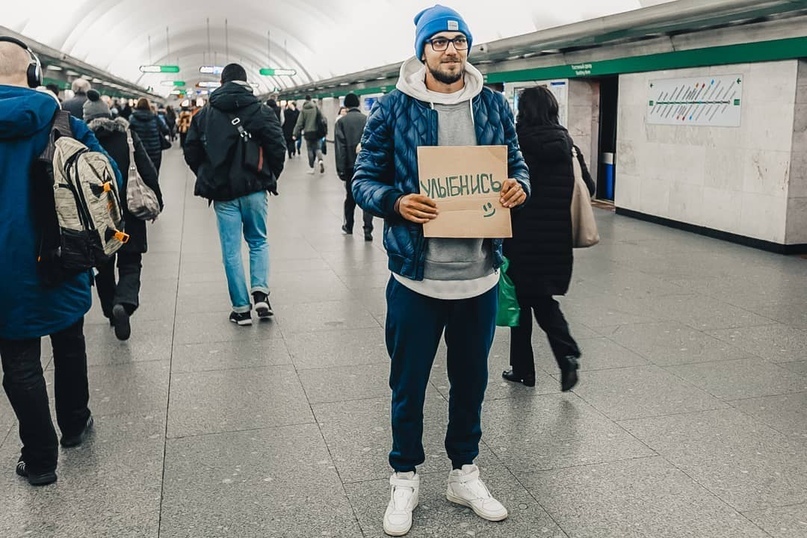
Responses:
[438,19]
[94,107]
[352,100]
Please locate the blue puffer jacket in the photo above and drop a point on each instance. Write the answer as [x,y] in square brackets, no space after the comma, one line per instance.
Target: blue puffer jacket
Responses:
[28,310]
[387,168]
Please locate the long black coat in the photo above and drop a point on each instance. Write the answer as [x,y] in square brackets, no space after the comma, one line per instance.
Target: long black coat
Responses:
[112,136]
[540,250]
[150,129]
[289,121]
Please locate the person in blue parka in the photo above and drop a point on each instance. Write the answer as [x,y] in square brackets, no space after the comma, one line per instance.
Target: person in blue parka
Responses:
[28,309]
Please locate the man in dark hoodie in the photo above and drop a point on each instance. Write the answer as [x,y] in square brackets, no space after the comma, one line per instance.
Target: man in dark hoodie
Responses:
[239,194]
[437,284]
[28,309]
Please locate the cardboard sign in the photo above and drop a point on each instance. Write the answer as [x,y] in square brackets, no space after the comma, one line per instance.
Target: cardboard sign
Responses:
[465,181]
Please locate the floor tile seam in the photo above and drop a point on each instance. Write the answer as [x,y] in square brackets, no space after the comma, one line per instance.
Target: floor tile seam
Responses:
[243,430]
[709,331]
[171,357]
[715,495]
[314,416]
[525,488]
[376,363]
[727,400]
[723,406]
[265,367]
[232,368]
[732,400]
[579,465]
[777,507]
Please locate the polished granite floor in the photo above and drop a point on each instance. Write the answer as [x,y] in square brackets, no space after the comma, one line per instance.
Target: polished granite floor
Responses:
[690,419]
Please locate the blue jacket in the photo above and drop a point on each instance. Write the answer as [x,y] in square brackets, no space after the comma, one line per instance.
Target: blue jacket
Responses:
[387,168]
[28,310]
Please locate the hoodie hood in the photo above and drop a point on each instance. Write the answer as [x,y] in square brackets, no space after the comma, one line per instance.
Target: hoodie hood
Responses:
[412,82]
[232,96]
[545,142]
[24,111]
[104,127]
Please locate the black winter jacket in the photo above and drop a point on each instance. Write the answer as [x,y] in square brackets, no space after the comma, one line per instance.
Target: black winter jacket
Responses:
[290,116]
[540,250]
[348,131]
[150,130]
[112,136]
[212,140]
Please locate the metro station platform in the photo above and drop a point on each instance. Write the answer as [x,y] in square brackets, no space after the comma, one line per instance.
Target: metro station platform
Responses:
[690,419]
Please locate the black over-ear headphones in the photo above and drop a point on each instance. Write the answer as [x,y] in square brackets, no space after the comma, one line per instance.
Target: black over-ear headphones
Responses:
[34,71]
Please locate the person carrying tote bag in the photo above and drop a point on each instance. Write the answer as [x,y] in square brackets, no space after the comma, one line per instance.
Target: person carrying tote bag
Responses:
[584,227]
[540,251]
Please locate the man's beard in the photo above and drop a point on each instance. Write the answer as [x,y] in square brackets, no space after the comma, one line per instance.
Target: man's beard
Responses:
[446,78]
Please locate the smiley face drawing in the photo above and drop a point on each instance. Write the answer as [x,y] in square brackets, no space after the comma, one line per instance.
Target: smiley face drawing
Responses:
[489,210]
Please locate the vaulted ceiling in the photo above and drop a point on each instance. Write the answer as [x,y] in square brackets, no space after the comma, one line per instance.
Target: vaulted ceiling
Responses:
[320,39]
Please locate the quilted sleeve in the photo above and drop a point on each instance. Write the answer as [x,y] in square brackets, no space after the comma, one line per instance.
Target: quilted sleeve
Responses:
[374,178]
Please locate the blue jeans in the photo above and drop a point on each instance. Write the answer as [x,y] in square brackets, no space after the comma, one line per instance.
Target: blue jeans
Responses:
[415,324]
[247,213]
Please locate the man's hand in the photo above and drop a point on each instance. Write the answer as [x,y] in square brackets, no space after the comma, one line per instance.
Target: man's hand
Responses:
[416,208]
[512,194]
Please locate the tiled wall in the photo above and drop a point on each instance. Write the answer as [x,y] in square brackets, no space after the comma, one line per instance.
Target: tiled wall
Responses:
[584,118]
[797,192]
[733,179]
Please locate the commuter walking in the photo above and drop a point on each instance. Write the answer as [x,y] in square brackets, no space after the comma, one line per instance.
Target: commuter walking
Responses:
[29,309]
[239,192]
[119,296]
[437,285]
[183,124]
[75,105]
[540,251]
[290,115]
[151,130]
[347,136]
[310,123]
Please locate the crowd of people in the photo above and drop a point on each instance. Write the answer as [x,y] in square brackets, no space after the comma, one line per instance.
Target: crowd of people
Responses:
[236,147]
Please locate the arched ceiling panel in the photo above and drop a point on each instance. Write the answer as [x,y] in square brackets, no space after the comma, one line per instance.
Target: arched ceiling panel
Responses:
[319,38]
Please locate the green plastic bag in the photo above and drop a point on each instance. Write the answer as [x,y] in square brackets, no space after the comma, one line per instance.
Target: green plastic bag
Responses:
[508,313]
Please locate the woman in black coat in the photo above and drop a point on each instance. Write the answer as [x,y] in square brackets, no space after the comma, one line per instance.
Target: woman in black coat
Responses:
[290,115]
[540,251]
[120,300]
[151,130]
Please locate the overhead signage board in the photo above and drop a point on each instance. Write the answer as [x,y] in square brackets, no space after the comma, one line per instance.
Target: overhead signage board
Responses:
[713,101]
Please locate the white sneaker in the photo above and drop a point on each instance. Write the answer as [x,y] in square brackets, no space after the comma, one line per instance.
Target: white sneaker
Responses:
[321,167]
[466,488]
[311,171]
[403,499]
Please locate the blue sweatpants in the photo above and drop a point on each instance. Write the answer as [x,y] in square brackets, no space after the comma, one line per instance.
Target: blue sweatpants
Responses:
[415,324]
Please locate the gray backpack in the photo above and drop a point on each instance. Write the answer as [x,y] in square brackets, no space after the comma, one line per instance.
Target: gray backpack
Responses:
[76,206]
[140,199]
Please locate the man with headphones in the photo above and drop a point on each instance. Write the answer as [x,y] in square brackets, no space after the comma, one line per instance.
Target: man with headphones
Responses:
[28,309]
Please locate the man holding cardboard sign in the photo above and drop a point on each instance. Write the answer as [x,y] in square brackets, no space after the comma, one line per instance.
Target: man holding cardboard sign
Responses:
[445,280]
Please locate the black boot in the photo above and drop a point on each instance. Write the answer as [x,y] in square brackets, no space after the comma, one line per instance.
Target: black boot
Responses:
[510,375]
[568,373]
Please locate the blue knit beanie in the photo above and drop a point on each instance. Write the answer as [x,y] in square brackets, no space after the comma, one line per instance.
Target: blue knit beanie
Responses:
[434,20]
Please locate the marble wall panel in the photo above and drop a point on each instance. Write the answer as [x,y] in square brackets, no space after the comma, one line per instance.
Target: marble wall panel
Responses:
[734,179]
[797,221]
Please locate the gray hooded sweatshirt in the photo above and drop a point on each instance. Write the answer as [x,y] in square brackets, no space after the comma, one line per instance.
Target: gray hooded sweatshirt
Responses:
[455,268]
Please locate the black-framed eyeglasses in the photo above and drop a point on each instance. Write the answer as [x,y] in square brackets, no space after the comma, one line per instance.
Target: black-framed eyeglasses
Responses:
[439,44]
